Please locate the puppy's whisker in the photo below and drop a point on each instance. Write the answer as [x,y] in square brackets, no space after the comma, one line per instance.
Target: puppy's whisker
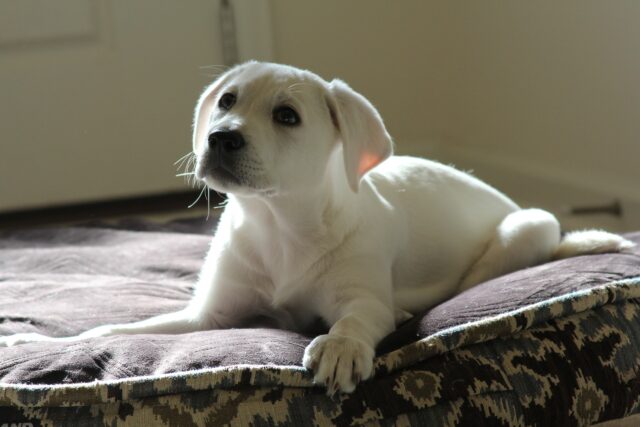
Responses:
[190,162]
[189,170]
[296,88]
[184,164]
[298,85]
[217,70]
[186,174]
[222,204]
[182,159]
[199,196]
[215,67]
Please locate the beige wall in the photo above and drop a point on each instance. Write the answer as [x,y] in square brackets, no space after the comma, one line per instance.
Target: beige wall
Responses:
[547,89]
[397,56]
[104,111]
[96,98]
[550,88]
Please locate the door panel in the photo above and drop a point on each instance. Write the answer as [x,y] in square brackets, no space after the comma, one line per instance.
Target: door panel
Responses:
[96,98]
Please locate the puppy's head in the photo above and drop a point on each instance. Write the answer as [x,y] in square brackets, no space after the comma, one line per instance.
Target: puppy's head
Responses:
[268,129]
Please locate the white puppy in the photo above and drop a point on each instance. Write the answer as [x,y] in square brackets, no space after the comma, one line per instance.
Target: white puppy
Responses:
[323,222]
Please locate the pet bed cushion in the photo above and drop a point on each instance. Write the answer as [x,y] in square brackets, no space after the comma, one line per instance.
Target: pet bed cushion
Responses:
[557,343]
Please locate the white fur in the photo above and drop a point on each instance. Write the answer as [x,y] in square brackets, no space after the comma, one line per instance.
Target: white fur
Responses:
[590,242]
[324,222]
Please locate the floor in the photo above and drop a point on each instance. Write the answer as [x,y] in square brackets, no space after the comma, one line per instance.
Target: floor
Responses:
[159,208]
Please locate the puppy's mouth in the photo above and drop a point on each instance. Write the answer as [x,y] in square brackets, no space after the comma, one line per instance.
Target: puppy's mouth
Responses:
[224,175]
[217,172]
[229,175]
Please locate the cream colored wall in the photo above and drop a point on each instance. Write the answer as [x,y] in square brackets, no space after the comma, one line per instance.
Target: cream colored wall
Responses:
[96,98]
[547,88]
[397,56]
[104,111]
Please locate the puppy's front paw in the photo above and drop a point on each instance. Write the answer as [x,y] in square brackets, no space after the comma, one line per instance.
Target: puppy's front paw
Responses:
[11,340]
[339,362]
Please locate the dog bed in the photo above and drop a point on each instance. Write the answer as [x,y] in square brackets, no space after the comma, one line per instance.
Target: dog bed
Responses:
[557,344]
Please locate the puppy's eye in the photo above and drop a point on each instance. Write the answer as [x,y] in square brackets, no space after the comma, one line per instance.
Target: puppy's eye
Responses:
[286,116]
[226,101]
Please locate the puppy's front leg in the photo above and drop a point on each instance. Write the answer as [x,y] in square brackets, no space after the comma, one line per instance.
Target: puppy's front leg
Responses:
[344,356]
[221,304]
[171,323]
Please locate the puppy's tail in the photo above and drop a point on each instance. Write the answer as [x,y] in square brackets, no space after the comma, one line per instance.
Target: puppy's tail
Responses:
[590,242]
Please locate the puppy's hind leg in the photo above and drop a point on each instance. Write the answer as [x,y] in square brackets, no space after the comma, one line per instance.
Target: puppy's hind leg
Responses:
[524,238]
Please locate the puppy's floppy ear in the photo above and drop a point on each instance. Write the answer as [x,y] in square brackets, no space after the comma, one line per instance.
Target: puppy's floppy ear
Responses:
[206,104]
[365,141]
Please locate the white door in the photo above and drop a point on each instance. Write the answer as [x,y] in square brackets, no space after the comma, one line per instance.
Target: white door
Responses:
[96,97]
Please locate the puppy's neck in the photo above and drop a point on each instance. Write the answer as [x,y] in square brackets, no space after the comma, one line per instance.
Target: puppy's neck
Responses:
[329,208]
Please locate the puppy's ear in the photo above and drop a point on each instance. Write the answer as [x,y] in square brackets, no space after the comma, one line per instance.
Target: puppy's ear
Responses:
[365,141]
[207,103]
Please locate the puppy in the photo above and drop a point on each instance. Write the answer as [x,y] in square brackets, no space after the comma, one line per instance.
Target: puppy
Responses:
[323,222]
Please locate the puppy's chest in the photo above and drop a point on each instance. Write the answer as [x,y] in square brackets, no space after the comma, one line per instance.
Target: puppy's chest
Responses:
[296,272]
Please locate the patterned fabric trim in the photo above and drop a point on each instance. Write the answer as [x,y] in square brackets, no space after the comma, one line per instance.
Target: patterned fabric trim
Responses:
[234,382]
[508,323]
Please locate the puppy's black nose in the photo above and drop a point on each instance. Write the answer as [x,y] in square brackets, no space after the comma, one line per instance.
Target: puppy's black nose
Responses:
[226,141]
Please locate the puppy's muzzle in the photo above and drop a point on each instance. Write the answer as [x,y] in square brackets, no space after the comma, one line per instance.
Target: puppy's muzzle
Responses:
[222,157]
